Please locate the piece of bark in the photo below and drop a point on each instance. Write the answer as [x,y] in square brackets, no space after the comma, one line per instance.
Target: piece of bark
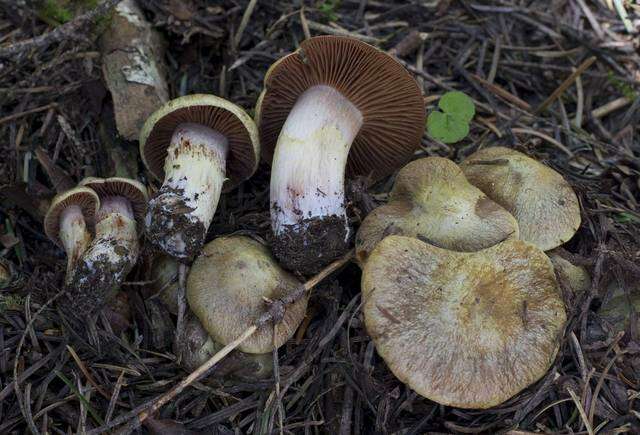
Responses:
[133,69]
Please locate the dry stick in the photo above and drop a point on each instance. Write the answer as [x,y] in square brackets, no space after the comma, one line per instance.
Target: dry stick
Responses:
[563,87]
[275,312]
[27,112]
[243,23]
[67,30]
[60,180]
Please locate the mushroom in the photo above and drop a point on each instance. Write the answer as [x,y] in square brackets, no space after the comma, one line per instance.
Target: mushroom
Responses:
[164,277]
[543,203]
[194,143]
[228,285]
[620,306]
[463,329]
[196,347]
[114,251]
[335,107]
[576,277]
[432,200]
[69,222]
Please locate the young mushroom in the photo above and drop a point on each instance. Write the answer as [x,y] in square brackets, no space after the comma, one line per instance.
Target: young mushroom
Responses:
[543,203]
[468,330]
[575,277]
[335,107]
[195,144]
[228,288]
[196,347]
[114,251]
[432,200]
[69,222]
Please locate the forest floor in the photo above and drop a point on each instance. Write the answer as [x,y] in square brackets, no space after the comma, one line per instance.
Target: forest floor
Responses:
[509,55]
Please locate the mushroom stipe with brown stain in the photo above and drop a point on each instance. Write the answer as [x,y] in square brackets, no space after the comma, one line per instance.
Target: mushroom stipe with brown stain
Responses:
[469,330]
[198,145]
[336,107]
[432,200]
[114,250]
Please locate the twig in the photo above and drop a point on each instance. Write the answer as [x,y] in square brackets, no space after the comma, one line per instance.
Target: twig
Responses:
[27,112]
[341,32]
[243,23]
[66,30]
[563,87]
[61,181]
[611,106]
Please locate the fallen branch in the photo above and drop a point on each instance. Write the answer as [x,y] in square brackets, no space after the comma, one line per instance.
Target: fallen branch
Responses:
[67,30]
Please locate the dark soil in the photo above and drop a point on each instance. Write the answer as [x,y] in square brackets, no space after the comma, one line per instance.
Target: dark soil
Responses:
[312,244]
[510,56]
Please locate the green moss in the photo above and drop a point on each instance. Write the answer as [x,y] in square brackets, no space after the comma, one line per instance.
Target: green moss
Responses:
[56,12]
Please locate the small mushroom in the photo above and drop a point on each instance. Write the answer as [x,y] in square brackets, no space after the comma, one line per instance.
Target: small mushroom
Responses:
[463,329]
[543,203]
[70,221]
[335,107]
[620,305]
[196,347]
[195,144]
[576,277]
[433,201]
[228,288]
[114,251]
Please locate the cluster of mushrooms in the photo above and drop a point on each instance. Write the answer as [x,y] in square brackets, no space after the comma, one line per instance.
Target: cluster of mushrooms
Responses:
[459,296]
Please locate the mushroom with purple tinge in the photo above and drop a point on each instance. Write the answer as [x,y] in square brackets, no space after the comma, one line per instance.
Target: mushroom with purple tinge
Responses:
[69,222]
[432,200]
[114,250]
[335,107]
[199,145]
[469,330]
[541,200]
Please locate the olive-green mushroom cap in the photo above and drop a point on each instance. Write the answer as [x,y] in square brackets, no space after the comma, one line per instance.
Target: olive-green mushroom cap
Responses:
[543,203]
[133,190]
[576,277]
[463,329]
[211,111]
[82,197]
[433,201]
[227,287]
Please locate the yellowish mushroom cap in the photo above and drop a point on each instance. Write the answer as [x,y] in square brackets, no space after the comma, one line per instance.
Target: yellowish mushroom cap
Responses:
[543,203]
[433,201]
[227,287]
[574,276]
[463,329]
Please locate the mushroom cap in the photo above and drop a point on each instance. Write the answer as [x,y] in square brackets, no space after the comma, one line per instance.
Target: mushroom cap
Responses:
[226,288]
[133,190]
[213,112]
[574,276]
[433,201]
[83,197]
[543,203]
[385,93]
[463,329]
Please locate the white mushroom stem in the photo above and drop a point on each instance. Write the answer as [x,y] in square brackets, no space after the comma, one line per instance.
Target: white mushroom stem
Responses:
[115,226]
[194,174]
[74,235]
[110,257]
[307,178]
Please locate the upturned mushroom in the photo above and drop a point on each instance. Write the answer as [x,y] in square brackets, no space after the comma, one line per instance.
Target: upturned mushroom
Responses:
[432,200]
[199,145]
[69,222]
[196,347]
[335,107]
[228,285]
[469,330]
[543,203]
[114,251]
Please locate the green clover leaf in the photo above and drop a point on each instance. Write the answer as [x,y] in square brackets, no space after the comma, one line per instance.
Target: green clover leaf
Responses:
[452,124]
